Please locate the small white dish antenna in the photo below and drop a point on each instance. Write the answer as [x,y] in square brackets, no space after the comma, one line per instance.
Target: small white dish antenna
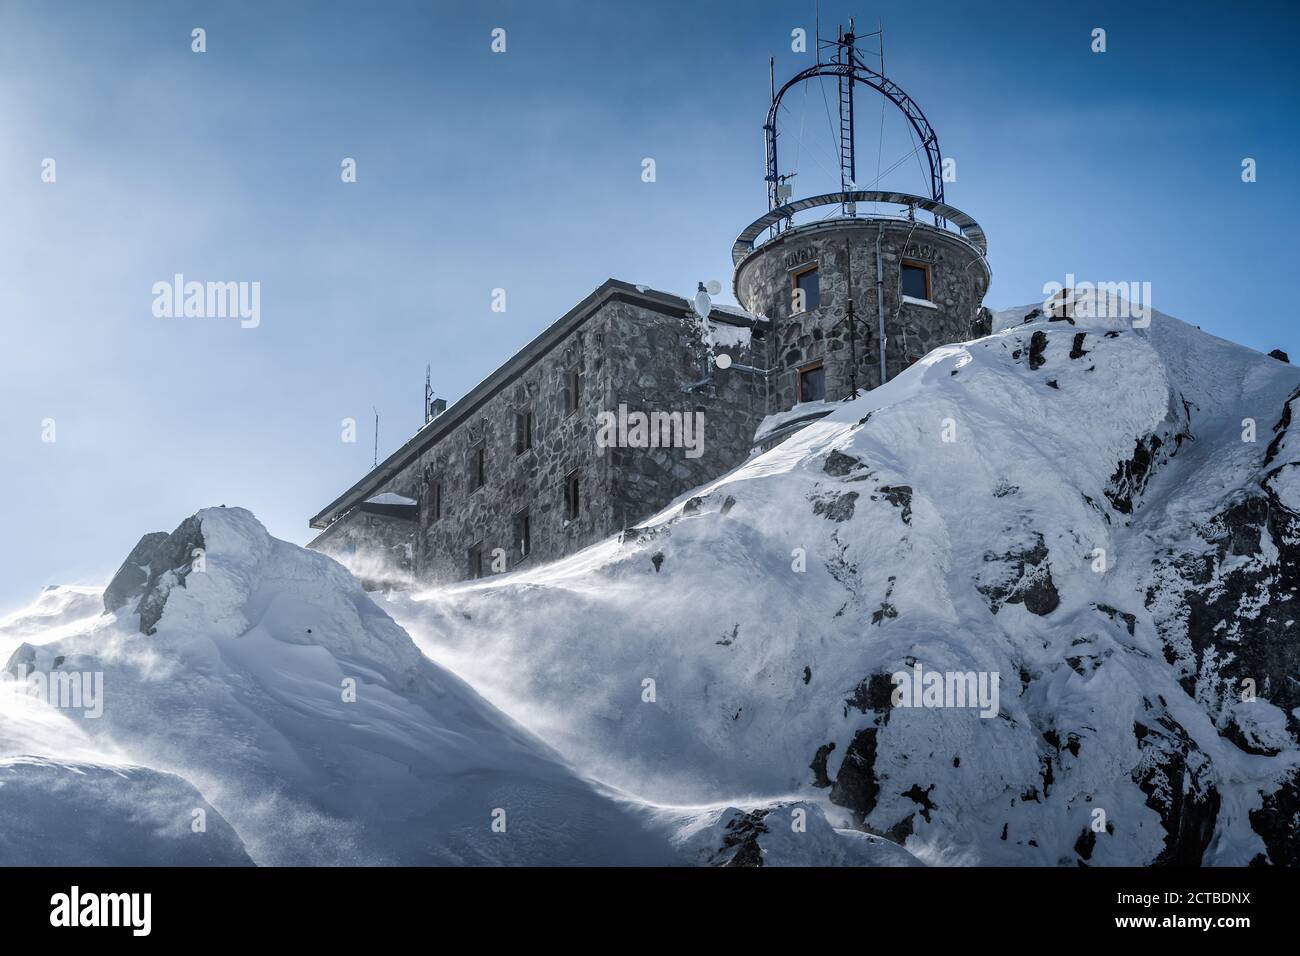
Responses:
[702,303]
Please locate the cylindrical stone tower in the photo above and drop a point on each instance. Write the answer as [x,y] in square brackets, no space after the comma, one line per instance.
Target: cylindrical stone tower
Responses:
[853,300]
[922,283]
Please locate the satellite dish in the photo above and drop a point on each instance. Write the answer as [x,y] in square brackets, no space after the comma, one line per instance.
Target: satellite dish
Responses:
[713,286]
[702,304]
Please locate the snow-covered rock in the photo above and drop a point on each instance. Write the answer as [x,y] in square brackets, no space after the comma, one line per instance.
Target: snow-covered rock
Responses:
[311,722]
[1096,523]
[1080,510]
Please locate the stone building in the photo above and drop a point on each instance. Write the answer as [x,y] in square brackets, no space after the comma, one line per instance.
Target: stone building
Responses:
[526,468]
[513,473]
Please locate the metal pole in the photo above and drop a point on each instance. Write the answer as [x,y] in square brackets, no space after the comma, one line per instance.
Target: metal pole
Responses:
[853,333]
[880,298]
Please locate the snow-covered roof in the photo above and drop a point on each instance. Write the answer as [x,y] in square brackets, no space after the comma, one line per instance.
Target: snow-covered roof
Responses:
[388,498]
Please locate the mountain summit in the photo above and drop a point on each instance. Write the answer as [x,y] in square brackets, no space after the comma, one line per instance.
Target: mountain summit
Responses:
[1029,603]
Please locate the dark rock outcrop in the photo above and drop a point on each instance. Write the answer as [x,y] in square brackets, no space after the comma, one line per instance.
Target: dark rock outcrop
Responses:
[1020,576]
[129,581]
[158,563]
[856,786]
[1277,822]
[740,845]
[835,507]
[1176,777]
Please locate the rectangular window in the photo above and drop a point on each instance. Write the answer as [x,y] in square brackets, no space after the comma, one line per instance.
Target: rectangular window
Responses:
[806,282]
[812,383]
[477,466]
[571,502]
[435,501]
[523,430]
[476,561]
[522,537]
[572,391]
[916,280]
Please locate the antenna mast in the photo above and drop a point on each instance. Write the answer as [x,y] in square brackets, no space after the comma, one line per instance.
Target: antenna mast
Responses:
[846,57]
[428,394]
[376,411]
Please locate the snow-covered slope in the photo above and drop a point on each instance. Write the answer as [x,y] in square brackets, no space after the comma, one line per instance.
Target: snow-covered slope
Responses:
[1069,507]
[310,720]
[59,610]
[256,682]
[1099,521]
[67,799]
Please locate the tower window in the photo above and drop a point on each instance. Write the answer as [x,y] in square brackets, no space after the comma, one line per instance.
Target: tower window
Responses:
[522,536]
[435,501]
[807,283]
[571,502]
[477,466]
[916,280]
[572,391]
[523,430]
[812,383]
[476,561]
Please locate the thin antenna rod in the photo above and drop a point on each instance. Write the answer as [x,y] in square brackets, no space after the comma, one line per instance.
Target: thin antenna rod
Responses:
[428,394]
[376,411]
[817,31]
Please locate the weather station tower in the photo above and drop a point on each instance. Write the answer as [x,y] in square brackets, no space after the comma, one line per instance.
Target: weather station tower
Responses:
[857,284]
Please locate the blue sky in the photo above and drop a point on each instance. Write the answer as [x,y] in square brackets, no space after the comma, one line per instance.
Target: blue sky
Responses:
[523,171]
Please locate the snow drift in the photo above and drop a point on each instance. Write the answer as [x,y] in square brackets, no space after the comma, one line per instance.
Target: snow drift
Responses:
[255,684]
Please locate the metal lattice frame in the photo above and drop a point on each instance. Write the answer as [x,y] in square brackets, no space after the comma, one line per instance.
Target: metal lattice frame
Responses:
[855,71]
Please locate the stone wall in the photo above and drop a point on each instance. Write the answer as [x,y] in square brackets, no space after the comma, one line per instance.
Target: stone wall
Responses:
[765,280]
[647,359]
[375,547]
[660,363]
[534,480]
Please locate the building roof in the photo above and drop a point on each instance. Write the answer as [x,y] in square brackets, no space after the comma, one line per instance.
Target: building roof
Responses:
[612,290]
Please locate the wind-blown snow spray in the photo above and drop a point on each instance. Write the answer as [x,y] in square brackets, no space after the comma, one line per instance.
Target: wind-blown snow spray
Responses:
[66,690]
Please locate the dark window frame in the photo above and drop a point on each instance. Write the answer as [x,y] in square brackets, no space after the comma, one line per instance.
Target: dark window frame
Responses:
[523,431]
[477,466]
[474,561]
[523,533]
[572,390]
[806,370]
[925,270]
[798,274]
[572,495]
[435,500]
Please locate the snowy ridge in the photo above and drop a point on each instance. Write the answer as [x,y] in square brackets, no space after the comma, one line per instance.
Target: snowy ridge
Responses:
[954,518]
